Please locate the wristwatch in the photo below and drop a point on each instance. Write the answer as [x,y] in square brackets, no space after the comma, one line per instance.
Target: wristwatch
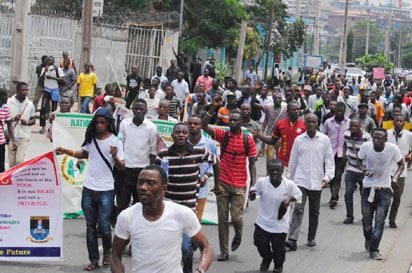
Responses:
[200,270]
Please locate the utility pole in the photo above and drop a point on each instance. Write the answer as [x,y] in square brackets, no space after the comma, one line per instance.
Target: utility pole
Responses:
[342,50]
[316,33]
[302,49]
[182,6]
[367,35]
[387,34]
[400,48]
[239,56]
[87,19]
[20,50]
[268,40]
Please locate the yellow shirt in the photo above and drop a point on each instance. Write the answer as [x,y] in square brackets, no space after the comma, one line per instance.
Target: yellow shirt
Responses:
[389,125]
[86,82]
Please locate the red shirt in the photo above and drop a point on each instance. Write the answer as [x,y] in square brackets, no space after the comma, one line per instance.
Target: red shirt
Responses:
[233,170]
[287,132]
[98,102]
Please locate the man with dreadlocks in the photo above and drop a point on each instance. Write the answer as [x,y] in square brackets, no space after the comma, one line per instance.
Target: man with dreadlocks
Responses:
[104,152]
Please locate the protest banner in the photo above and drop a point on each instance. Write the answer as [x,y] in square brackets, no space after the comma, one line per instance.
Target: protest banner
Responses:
[68,132]
[31,222]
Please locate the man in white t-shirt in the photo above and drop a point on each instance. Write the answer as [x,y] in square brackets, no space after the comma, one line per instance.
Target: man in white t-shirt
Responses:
[276,193]
[181,88]
[403,139]
[378,158]
[155,227]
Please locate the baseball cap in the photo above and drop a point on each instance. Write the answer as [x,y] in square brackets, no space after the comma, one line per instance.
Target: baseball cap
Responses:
[363,104]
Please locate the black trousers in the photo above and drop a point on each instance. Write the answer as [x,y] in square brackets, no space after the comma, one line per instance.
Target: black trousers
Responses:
[128,189]
[2,157]
[270,245]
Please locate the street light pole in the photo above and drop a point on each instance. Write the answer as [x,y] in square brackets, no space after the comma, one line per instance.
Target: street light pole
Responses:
[182,5]
[367,35]
[342,50]
[268,39]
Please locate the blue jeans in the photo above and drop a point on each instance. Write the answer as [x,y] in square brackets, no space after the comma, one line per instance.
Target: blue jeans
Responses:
[97,207]
[379,207]
[187,254]
[85,104]
[351,180]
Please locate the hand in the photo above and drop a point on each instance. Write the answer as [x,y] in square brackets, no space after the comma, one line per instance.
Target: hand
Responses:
[113,150]
[52,116]
[395,184]
[324,183]
[252,195]
[24,122]
[17,118]
[218,190]
[203,179]
[254,133]
[60,151]
[367,173]
[13,145]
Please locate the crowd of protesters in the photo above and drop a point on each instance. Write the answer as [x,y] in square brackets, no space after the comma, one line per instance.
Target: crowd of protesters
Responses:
[315,128]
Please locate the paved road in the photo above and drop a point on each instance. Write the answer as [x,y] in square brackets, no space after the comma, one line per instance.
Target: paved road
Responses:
[339,247]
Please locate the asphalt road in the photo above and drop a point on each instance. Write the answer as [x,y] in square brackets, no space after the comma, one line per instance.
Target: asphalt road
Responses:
[339,247]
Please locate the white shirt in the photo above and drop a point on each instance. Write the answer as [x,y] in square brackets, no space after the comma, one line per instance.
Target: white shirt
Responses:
[269,202]
[156,245]
[181,89]
[98,176]
[311,161]
[26,110]
[152,107]
[312,101]
[404,143]
[351,104]
[139,142]
[51,71]
[379,163]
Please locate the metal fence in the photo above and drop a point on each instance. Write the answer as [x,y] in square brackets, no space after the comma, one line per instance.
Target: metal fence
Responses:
[115,49]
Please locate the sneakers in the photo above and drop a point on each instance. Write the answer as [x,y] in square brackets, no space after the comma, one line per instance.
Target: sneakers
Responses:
[291,245]
[236,242]
[311,243]
[375,255]
[393,225]
[223,257]
[348,221]
[278,270]
[264,265]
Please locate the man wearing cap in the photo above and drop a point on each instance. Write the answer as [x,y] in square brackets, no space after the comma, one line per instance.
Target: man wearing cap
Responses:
[224,112]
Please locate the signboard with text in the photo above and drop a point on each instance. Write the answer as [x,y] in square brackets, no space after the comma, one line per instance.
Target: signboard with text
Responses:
[31,222]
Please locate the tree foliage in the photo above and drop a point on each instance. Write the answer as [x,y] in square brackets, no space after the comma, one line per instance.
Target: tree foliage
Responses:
[378,60]
[359,38]
[407,55]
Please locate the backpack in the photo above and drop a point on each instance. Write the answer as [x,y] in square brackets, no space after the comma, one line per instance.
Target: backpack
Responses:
[226,141]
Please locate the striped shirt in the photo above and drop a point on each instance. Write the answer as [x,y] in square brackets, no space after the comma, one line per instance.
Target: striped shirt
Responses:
[184,172]
[353,145]
[175,105]
[5,116]
[233,162]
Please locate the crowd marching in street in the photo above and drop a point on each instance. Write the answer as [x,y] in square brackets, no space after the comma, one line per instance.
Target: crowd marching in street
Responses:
[314,129]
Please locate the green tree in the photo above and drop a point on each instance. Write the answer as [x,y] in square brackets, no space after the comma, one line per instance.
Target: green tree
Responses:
[407,55]
[359,38]
[378,60]
[349,46]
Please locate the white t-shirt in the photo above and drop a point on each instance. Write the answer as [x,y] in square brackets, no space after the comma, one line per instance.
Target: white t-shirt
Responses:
[404,144]
[270,199]
[98,176]
[156,246]
[181,90]
[379,163]
[51,71]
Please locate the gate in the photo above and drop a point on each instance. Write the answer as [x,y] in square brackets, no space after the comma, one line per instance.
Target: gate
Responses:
[144,48]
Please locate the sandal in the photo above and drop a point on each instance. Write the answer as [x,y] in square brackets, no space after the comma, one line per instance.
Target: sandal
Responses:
[91,266]
[106,259]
